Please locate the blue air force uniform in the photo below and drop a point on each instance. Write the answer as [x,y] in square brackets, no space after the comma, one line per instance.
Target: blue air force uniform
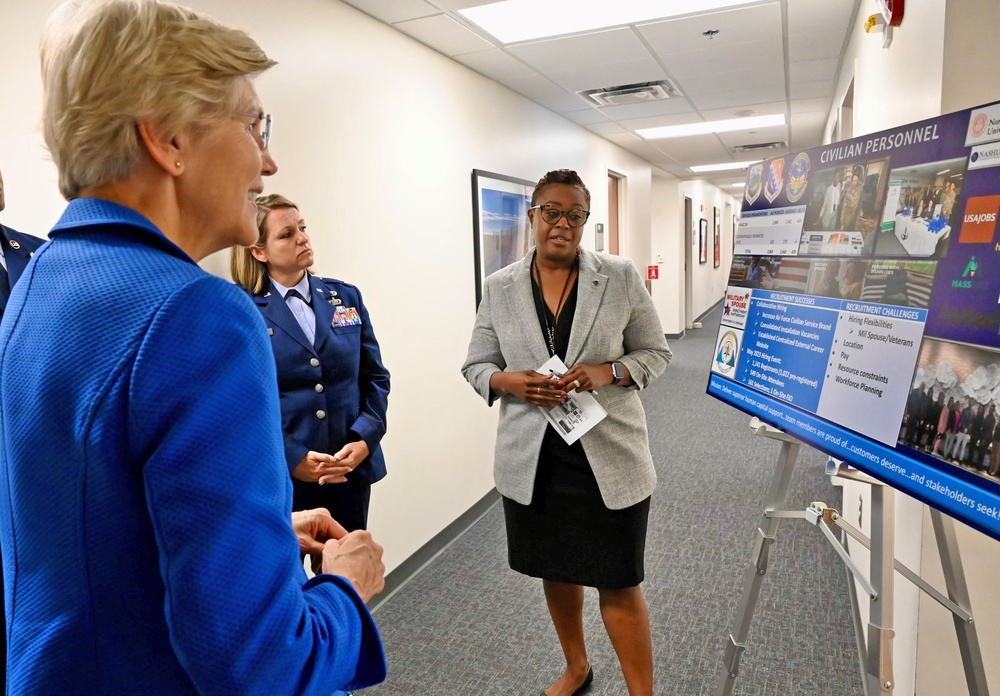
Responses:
[334,389]
[18,249]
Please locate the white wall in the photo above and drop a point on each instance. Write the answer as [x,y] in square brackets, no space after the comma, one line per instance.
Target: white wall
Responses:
[942,58]
[708,283]
[375,137]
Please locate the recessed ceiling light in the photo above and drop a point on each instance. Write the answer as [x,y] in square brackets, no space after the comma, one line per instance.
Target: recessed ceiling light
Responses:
[524,20]
[703,127]
[739,184]
[722,166]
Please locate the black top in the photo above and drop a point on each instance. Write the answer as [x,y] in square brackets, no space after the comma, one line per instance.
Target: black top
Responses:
[565,324]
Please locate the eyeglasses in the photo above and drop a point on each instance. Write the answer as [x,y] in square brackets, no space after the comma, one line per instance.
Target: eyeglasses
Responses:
[575,218]
[260,129]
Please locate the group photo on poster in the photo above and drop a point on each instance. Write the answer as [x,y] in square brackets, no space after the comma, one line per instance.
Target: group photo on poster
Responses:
[951,412]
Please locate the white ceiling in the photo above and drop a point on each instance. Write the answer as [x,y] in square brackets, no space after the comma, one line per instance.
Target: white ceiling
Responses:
[774,56]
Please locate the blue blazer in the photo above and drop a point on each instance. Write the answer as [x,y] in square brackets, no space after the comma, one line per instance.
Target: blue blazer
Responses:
[144,502]
[18,248]
[336,391]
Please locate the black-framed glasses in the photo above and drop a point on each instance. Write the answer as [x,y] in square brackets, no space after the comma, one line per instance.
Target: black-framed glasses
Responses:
[551,215]
[260,128]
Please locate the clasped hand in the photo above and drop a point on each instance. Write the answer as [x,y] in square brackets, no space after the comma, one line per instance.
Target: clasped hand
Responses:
[320,467]
[549,391]
[335,551]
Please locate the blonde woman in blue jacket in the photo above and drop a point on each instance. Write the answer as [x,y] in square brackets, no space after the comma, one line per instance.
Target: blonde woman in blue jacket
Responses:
[334,388]
[149,544]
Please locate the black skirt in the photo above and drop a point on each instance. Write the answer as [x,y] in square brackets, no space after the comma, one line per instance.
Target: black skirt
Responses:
[566,533]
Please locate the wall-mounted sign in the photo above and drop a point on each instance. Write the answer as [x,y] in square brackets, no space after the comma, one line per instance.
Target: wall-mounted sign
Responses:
[892,10]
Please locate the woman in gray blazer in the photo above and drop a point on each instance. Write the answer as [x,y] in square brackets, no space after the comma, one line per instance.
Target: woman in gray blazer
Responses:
[575,514]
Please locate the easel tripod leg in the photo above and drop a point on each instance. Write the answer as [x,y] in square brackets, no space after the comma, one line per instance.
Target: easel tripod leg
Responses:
[757,568]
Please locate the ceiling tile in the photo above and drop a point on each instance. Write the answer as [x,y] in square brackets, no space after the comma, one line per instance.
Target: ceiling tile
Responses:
[745,25]
[543,91]
[495,64]
[392,11]
[737,99]
[444,34]
[459,4]
[814,45]
[664,107]
[657,121]
[723,82]
[816,104]
[762,56]
[755,136]
[586,117]
[809,15]
[812,90]
[586,51]
[606,128]
[700,149]
[776,107]
[609,75]
[811,70]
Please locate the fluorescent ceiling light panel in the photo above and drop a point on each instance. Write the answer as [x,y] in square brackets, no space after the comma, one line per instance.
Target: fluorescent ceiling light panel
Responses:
[511,21]
[705,127]
[740,184]
[721,167]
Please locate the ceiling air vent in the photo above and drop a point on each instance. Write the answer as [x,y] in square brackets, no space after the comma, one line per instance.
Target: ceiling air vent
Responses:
[756,147]
[638,93]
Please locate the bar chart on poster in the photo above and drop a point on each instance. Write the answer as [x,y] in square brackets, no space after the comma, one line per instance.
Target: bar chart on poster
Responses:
[862,313]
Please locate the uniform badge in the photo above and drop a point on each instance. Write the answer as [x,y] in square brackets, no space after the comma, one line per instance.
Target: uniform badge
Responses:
[775,180]
[798,177]
[14,243]
[270,331]
[755,177]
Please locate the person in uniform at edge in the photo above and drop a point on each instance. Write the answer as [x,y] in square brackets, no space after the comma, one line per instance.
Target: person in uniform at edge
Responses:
[146,516]
[575,514]
[334,388]
[16,249]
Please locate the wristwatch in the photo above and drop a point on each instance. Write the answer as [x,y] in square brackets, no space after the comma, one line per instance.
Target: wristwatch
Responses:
[617,372]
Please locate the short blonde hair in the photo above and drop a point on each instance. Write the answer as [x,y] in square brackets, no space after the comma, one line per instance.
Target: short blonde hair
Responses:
[248,272]
[108,63]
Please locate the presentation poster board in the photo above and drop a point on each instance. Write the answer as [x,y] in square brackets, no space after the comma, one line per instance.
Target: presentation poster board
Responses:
[862,313]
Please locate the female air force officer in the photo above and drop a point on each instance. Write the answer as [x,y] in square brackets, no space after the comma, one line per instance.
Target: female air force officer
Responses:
[334,389]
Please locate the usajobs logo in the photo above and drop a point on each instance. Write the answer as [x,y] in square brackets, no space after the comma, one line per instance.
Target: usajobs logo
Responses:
[736,306]
[798,177]
[980,220]
[727,353]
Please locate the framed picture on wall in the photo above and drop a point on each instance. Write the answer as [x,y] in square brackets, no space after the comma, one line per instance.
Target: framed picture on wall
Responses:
[736,226]
[717,239]
[702,240]
[502,233]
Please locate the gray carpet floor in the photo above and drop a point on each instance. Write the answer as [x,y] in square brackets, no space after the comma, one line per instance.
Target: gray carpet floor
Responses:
[467,624]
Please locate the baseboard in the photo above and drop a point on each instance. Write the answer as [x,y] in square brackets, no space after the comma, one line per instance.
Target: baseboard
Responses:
[711,309]
[675,337]
[409,568]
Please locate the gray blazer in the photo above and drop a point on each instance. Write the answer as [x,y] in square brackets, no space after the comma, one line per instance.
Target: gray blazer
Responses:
[614,320]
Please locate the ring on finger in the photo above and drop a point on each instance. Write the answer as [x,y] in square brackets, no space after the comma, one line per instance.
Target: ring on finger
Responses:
[576,384]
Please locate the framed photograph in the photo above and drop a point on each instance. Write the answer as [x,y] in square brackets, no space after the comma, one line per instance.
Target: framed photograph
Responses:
[502,233]
[702,240]
[717,239]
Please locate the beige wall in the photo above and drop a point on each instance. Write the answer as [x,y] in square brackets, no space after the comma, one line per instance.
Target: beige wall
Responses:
[375,137]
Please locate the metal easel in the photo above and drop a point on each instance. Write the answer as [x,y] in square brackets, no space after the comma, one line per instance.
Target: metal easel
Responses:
[876,656]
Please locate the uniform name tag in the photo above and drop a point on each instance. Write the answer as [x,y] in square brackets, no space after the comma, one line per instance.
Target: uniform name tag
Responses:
[346,316]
